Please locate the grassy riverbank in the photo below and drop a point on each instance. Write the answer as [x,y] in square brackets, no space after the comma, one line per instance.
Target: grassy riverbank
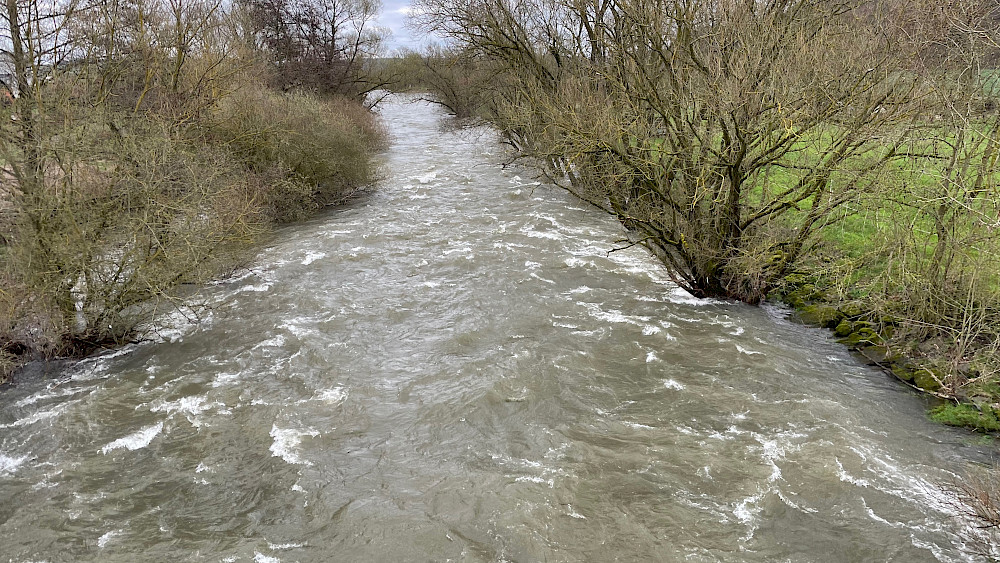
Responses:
[937,335]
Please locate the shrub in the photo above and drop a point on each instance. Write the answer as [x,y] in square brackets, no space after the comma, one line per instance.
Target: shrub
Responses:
[313,152]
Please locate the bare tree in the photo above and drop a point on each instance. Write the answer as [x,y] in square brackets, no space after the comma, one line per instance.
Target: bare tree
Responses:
[319,45]
[679,117]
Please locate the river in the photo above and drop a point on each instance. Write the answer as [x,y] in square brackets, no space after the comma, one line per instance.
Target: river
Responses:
[457,369]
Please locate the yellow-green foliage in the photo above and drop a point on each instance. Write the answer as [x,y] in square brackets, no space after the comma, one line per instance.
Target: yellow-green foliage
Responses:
[129,206]
[312,151]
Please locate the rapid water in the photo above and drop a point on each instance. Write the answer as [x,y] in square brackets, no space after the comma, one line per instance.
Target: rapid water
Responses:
[455,369]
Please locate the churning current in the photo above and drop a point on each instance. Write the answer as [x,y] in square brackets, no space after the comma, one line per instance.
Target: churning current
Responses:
[457,369]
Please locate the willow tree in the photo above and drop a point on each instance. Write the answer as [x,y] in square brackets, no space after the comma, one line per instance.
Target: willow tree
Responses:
[724,134]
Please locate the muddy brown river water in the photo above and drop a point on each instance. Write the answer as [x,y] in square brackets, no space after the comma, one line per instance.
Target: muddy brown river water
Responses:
[455,369]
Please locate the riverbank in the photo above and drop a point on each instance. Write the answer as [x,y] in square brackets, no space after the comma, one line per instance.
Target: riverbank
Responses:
[881,336]
[568,405]
[144,205]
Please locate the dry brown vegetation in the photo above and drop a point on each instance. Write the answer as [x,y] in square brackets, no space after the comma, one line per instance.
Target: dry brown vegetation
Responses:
[144,151]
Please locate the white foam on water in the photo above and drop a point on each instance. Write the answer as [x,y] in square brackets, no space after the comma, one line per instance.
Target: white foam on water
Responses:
[638,426]
[136,440]
[233,279]
[107,537]
[551,235]
[283,546]
[186,405]
[540,278]
[46,481]
[772,452]
[202,467]
[796,506]
[286,440]
[613,315]
[38,416]
[223,378]
[255,288]
[190,407]
[49,393]
[259,557]
[877,518]
[173,326]
[10,464]
[681,297]
[431,284]
[651,357]
[96,367]
[650,330]
[535,479]
[746,510]
[312,257]
[297,326]
[426,178]
[748,352]
[672,384]
[275,342]
[578,263]
[333,396]
[848,478]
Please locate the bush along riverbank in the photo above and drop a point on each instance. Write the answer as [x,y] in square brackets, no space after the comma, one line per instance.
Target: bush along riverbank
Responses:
[157,152]
[969,397]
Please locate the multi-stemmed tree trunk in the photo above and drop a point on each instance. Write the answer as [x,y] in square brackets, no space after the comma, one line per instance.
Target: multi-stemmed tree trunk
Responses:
[723,134]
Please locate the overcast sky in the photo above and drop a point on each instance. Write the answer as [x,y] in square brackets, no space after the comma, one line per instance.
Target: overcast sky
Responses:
[394,16]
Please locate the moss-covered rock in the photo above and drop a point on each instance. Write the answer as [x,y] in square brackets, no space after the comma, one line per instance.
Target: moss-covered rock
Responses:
[862,336]
[826,316]
[927,379]
[852,310]
[983,420]
[844,328]
[797,298]
[903,372]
